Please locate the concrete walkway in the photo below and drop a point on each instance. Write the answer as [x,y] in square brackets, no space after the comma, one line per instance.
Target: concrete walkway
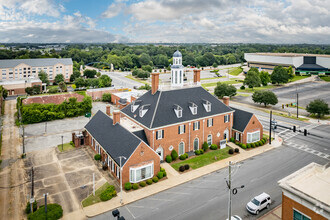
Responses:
[275,214]
[175,179]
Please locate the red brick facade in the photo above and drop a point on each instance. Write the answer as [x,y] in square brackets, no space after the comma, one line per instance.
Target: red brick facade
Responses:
[254,125]
[288,205]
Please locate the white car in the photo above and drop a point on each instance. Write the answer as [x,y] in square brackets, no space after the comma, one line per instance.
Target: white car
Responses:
[235,217]
[258,203]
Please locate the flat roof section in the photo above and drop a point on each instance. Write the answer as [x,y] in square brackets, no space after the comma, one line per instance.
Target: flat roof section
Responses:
[291,54]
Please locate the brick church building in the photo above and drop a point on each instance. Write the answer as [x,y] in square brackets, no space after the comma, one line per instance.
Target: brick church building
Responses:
[180,116]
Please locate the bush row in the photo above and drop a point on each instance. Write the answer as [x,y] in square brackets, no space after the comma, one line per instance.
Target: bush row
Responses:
[184,167]
[54,212]
[108,193]
[250,145]
[161,174]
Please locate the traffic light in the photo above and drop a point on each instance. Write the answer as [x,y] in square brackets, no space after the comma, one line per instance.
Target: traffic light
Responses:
[294,128]
[282,105]
[305,132]
[287,105]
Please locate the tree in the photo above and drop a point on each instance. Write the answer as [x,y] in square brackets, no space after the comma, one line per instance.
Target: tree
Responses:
[80,82]
[265,97]
[90,73]
[43,76]
[290,72]
[318,107]
[34,90]
[4,92]
[264,77]
[147,68]
[62,86]
[59,78]
[252,79]
[106,97]
[223,89]
[104,81]
[279,75]
[74,75]
[144,59]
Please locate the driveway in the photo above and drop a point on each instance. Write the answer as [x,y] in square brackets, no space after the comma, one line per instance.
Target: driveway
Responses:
[67,177]
[48,134]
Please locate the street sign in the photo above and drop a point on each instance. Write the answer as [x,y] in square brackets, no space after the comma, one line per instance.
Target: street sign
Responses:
[88,115]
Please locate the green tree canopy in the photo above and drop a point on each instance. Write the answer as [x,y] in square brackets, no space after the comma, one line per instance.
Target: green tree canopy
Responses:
[74,75]
[252,79]
[223,89]
[90,73]
[43,76]
[4,92]
[106,97]
[59,78]
[62,86]
[290,72]
[105,81]
[264,77]
[80,82]
[265,97]
[279,75]
[144,59]
[318,107]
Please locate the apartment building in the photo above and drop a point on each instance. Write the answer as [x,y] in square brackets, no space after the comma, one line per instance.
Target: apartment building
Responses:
[19,69]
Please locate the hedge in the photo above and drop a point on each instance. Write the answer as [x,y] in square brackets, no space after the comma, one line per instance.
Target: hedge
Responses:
[28,207]
[155,179]
[128,186]
[142,184]
[182,168]
[108,193]
[97,157]
[35,113]
[149,181]
[231,151]
[201,151]
[197,152]
[160,175]
[135,186]
[54,212]
[205,146]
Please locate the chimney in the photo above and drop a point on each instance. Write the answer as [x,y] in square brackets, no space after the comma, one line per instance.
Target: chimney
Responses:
[154,82]
[107,110]
[116,117]
[197,76]
[225,100]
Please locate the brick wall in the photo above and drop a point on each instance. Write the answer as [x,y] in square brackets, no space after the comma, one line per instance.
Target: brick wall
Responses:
[288,205]
[253,125]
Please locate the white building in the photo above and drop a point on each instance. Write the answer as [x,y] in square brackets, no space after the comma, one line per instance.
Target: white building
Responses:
[177,70]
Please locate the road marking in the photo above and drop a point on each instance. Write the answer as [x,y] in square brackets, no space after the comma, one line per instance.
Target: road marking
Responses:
[179,193]
[167,200]
[131,212]
[308,150]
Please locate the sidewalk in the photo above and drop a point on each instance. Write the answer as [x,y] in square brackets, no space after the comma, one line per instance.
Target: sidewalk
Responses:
[275,214]
[175,179]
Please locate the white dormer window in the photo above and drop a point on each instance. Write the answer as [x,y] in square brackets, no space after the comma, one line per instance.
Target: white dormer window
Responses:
[207,105]
[134,107]
[193,108]
[178,111]
[143,110]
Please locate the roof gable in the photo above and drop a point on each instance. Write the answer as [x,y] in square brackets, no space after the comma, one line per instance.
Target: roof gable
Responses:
[241,119]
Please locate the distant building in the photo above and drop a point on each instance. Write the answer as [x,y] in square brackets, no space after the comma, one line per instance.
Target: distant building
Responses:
[19,69]
[306,193]
[301,63]
[17,87]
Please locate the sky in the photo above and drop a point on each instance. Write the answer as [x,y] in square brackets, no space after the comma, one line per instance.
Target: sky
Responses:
[165,21]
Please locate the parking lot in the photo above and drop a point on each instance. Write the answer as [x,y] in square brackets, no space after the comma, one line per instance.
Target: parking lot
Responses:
[49,134]
[67,177]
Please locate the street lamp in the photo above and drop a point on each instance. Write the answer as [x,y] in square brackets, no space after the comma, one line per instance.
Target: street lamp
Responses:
[121,179]
[62,142]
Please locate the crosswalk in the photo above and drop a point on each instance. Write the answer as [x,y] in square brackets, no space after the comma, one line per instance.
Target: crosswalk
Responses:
[308,150]
[288,134]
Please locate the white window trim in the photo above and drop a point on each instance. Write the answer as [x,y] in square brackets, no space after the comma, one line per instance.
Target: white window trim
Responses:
[193,109]
[207,107]
[237,135]
[134,107]
[197,143]
[118,170]
[138,168]
[210,122]
[160,134]
[178,112]
[251,133]
[196,126]
[181,129]
[208,139]
[300,213]
[179,148]
[226,118]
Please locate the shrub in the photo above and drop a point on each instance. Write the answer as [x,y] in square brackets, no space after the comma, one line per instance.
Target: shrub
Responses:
[108,193]
[181,168]
[240,144]
[253,145]
[155,179]
[28,207]
[257,144]
[54,211]
[53,90]
[160,175]
[214,147]
[174,155]
[231,151]
[128,186]
[105,166]
[242,87]
[260,143]
[135,186]
[149,181]
[237,149]
[186,155]
[182,157]
[106,97]
[142,184]
[232,139]
[186,166]
[97,157]
[265,139]
[248,145]
[197,152]
[162,169]
[71,143]
[168,158]
[164,174]
[236,142]
[205,146]
[202,151]
[243,146]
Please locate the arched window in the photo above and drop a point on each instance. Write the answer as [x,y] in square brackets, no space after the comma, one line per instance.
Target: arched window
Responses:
[181,148]
[209,139]
[196,144]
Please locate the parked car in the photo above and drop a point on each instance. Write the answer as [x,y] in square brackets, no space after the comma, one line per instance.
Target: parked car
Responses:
[258,203]
[235,217]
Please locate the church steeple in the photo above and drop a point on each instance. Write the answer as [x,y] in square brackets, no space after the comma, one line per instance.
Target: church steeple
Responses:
[177,70]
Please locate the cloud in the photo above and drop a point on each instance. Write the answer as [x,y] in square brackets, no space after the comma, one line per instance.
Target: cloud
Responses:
[113,10]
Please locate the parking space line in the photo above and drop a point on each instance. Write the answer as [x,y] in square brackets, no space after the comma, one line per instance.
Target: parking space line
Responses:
[131,212]
[166,200]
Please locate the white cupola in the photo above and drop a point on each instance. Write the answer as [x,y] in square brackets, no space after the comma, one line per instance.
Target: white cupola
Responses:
[177,70]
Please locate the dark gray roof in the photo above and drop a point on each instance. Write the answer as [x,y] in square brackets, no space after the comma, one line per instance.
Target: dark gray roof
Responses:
[177,54]
[35,62]
[161,110]
[115,139]
[241,119]
[311,67]
[142,135]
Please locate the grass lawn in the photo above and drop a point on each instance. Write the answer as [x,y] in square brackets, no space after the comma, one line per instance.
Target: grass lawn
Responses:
[243,94]
[204,159]
[66,147]
[325,78]
[137,80]
[287,116]
[235,71]
[233,81]
[90,200]
[256,88]
[296,78]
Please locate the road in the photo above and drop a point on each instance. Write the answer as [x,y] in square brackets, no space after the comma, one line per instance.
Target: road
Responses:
[207,197]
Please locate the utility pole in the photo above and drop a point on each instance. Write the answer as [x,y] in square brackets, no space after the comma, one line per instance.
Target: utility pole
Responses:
[270,128]
[229,187]
[93,184]
[121,179]
[23,141]
[32,190]
[297,105]
[45,195]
